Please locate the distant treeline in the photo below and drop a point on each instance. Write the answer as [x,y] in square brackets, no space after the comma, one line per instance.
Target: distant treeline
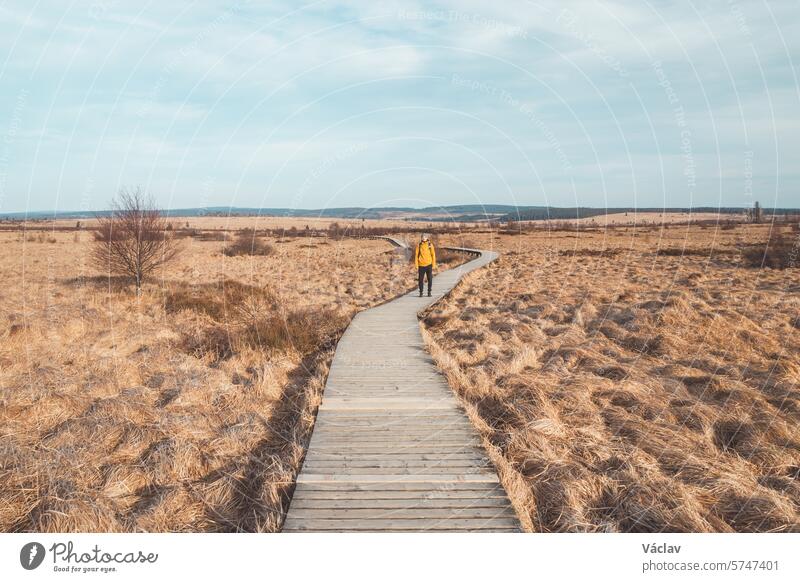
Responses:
[352,212]
[439,214]
[555,213]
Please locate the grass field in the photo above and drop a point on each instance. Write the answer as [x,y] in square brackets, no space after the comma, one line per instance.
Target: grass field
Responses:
[633,380]
[629,379]
[184,409]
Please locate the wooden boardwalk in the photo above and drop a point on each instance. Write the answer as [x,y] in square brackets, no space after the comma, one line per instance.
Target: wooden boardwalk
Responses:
[392,450]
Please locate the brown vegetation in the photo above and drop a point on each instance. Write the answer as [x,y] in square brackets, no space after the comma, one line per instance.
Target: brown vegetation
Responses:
[186,407]
[781,250]
[247,243]
[620,389]
[619,385]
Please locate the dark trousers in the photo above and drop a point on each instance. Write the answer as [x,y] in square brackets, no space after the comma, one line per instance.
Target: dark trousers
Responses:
[425,272]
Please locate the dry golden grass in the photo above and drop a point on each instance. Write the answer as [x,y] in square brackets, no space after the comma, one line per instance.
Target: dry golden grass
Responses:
[642,218]
[185,409]
[624,380]
[633,379]
[258,222]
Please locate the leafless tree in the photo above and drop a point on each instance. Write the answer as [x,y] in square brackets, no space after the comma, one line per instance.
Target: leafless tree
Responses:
[133,239]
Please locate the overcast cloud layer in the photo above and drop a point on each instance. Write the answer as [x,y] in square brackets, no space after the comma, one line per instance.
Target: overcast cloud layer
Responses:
[641,103]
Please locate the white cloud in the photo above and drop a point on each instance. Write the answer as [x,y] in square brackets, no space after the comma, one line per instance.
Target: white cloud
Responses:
[236,91]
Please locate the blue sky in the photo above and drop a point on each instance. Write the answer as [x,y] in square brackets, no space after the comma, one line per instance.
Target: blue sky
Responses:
[325,104]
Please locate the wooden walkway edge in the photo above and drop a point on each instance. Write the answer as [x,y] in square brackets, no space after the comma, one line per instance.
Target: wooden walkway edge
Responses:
[392,450]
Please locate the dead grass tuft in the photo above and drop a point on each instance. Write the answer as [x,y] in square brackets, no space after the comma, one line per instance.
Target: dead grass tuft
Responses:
[248,244]
[779,251]
[217,300]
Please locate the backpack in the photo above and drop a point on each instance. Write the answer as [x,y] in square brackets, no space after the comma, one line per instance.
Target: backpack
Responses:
[419,247]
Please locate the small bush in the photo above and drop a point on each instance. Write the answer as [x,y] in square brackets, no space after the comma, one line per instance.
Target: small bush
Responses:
[214,341]
[213,235]
[247,244]
[780,251]
[448,257]
[203,235]
[220,301]
[251,317]
[303,330]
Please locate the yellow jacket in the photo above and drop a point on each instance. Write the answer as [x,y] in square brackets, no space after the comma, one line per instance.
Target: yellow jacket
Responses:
[425,254]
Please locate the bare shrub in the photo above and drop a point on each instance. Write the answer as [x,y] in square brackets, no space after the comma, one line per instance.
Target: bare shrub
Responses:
[133,240]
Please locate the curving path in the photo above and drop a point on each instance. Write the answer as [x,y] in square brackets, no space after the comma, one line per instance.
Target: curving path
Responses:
[392,450]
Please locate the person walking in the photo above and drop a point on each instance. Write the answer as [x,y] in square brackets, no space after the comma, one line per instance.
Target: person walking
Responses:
[425,259]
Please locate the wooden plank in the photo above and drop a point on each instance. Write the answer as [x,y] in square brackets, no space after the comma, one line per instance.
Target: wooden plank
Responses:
[401,503]
[395,473]
[422,487]
[391,438]
[411,424]
[413,421]
[408,442]
[392,414]
[369,499]
[388,404]
[450,524]
[336,456]
[395,430]
[388,463]
[405,495]
[395,448]
[428,452]
[443,436]
[488,513]
[434,480]
[507,530]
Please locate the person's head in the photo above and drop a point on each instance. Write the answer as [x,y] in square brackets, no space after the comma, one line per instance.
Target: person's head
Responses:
[426,237]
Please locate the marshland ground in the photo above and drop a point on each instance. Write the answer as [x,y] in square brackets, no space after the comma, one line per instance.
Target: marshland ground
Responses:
[640,379]
[633,378]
